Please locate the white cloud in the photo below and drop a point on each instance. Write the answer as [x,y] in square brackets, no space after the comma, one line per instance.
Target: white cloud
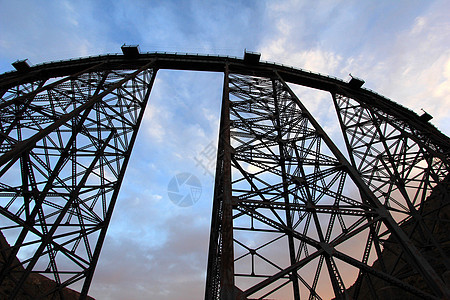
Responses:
[43,31]
[315,60]
[408,64]
[413,70]
[419,25]
[154,118]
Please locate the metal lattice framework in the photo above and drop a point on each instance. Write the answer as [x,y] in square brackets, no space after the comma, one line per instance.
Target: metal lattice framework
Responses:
[293,215]
[70,140]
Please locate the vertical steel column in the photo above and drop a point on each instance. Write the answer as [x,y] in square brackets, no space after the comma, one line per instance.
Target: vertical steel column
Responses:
[227,260]
[220,273]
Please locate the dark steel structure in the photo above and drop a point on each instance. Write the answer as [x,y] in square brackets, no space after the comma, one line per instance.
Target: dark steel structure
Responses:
[293,215]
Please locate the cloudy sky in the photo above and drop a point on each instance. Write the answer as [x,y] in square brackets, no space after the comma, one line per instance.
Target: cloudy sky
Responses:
[155,249]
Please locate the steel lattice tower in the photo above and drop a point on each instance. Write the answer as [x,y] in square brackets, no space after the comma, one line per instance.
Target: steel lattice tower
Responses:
[292,213]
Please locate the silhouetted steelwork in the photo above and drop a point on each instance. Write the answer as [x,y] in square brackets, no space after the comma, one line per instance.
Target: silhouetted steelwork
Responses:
[293,215]
[65,144]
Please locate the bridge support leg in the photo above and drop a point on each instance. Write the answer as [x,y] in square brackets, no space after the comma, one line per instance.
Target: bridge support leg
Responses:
[220,274]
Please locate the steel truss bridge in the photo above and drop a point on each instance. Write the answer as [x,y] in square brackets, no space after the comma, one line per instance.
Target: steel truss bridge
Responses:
[292,212]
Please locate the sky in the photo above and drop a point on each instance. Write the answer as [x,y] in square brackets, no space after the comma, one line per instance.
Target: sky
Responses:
[156,249]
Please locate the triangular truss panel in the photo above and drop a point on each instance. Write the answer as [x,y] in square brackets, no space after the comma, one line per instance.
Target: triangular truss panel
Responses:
[65,143]
[403,166]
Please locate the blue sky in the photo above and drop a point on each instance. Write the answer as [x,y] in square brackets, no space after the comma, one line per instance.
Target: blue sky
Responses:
[155,249]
